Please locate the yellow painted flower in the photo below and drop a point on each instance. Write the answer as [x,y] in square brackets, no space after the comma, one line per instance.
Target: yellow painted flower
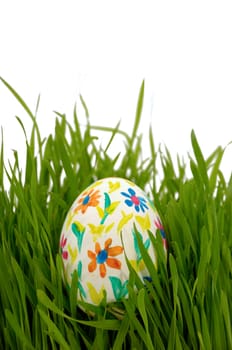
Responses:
[144,222]
[113,186]
[96,296]
[138,266]
[72,253]
[123,221]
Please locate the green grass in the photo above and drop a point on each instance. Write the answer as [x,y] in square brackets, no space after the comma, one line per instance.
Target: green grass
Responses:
[188,305]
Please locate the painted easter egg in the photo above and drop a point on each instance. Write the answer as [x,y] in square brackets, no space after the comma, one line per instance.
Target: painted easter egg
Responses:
[99,233]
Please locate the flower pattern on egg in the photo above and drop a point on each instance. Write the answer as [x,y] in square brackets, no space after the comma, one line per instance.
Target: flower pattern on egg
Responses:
[100,236]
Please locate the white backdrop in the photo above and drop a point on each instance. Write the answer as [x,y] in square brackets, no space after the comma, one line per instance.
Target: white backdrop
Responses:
[103,50]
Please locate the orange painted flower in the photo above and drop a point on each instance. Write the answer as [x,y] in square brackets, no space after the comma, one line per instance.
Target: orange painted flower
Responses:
[88,199]
[103,257]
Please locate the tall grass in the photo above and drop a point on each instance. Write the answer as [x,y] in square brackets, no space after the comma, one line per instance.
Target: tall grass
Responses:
[188,303]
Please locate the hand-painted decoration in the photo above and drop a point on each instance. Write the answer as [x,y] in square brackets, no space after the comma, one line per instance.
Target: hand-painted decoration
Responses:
[99,234]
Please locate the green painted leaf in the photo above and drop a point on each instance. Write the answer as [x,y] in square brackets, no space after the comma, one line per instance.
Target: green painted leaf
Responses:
[119,288]
[107,200]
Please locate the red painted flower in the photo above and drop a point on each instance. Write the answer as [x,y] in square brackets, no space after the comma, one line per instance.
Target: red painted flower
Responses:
[103,257]
[62,245]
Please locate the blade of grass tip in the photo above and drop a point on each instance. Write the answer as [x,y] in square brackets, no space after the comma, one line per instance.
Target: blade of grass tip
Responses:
[197,176]
[138,112]
[215,169]
[27,109]
[152,144]
[112,130]
[37,105]
[77,128]
[153,157]
[65,157]
[181,167]
[19,98]
[2,162]
[200,159]
[35,131]
[23,128]
[85,107]
[60,115]
[115,131]
[212,156]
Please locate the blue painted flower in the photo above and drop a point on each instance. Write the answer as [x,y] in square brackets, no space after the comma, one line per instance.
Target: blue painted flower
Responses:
[136,201]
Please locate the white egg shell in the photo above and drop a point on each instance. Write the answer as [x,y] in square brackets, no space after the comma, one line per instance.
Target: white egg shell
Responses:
[98,233]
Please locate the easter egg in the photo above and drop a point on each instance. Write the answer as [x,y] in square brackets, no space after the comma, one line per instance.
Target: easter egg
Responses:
[101,231]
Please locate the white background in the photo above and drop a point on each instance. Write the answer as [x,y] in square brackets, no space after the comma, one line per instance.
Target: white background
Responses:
[103,50]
